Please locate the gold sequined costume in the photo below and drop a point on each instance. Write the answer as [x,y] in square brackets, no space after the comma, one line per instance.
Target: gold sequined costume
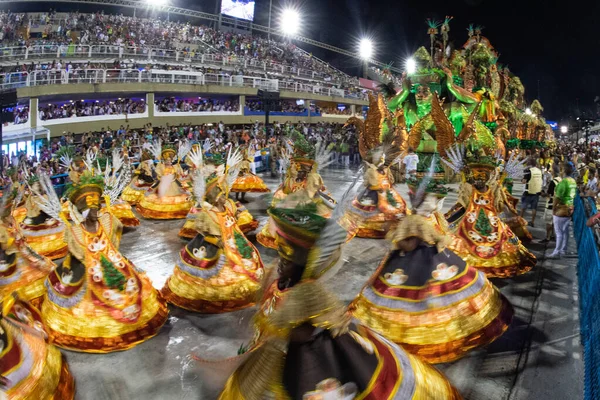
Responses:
[43,233]
[219,270]
[379,207]
[305,345]
[142,181]
[247,182]
[97,301]
[32,368]
[492,246]
[167,199]
[245,220]
[22,270]
[428,299]
[301,176]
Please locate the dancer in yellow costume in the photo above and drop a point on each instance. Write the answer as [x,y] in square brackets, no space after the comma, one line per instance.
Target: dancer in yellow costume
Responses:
[379,207]
[425,297]
[492,247]
[29,367]
[167,199]
[306,346]
[302,174]
[97,301]
[143,179]
[43,233]
[219,270]
[245,220]
[247,182]
[22,270]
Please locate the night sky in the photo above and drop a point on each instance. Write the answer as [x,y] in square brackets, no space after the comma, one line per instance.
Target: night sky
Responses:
[552,45]
[551,42]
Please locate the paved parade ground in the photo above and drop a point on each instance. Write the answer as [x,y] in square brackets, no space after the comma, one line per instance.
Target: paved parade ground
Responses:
[539,357]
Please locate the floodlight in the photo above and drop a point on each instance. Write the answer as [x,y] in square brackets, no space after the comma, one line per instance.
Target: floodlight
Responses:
[365,49]
[411,66]
[290,21]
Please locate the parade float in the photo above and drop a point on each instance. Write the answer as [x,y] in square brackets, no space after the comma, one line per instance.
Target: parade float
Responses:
[474,92]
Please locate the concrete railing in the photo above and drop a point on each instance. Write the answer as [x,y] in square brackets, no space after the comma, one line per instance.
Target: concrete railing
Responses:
[91,76]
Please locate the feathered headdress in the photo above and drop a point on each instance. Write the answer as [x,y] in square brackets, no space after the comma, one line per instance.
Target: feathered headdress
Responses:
[50,204]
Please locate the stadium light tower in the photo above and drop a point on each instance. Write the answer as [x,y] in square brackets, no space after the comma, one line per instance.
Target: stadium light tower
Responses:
[411,66]
[156,3]
[365,49]
[290,22]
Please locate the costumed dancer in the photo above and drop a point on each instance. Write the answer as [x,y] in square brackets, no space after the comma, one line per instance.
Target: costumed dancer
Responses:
[511,170]
[144,178]
[493,247]
[244,219]
[116,180]
[43,233]
[302,174]
[219,270]
[30,368]
[246,180]
[22,270]
[306,346]
[379,206]
[167,199]
[425,297]
[97,301]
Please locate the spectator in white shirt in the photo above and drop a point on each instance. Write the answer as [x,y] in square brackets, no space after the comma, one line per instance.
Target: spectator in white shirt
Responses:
[410,163]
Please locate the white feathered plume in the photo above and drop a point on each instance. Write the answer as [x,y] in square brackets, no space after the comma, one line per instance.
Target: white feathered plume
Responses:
[90,158]
[184,148]
[514,167]
[66,160]
[116,184]
[199,187]
[456,157]
[196,157]
[285,161]
[322,155]
[232,166]
[117,160]
[156,149]
[207,145]
[50,204]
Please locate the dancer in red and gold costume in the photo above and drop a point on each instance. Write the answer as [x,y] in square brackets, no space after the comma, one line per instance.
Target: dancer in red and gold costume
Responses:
[43,233]
[97,301]
[22,270]
[306,346]
[219,270]
[167,199]
[247,182]
[29,367]
[425,297]
[244,219]
[493,247]
[143,179]
[302,174]
[379,207]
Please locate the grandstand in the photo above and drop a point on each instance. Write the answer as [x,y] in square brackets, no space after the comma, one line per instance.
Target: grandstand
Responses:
[66,65]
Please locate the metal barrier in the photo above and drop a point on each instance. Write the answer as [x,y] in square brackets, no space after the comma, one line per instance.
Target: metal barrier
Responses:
[588,271]
[63,77]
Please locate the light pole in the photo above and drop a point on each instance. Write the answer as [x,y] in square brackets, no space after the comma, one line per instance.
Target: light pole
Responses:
[270,9]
